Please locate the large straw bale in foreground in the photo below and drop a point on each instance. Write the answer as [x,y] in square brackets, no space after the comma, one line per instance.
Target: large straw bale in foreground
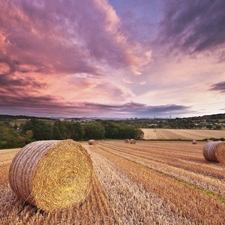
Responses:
[214,151]
[52,174]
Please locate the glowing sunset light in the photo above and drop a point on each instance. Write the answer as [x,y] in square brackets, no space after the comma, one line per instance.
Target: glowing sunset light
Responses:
[110,58]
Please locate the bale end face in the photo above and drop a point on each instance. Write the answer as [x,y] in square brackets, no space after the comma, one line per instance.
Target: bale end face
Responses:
[214,151]
[220,152]
[52,174]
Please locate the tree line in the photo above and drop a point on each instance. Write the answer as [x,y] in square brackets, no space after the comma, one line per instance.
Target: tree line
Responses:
[36,129]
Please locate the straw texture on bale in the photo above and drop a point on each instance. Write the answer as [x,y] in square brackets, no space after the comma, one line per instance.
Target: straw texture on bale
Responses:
[127,141]
[220,152]
[91,142]
[52,174]
[132,141]
[214,151]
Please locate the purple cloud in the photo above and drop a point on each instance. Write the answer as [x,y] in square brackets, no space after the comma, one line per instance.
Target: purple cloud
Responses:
[44,105]
[193,26]
[218,87]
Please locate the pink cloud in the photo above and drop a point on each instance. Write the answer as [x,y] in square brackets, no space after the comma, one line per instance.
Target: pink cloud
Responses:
[4,68]
[127,81]
[52,38]
[129,52]
[142,82]
[93,89]
[37,37]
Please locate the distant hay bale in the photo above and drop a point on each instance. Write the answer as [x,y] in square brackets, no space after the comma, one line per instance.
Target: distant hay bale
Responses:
[52,174]
[91,142]
[214,151]
[127,141]
[194,142]
[132,141]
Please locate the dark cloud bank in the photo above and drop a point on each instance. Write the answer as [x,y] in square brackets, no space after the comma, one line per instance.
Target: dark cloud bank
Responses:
[218,87]
[194,26]
[44,105]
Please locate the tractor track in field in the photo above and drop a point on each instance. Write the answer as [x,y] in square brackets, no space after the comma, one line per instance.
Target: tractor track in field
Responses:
[201,207]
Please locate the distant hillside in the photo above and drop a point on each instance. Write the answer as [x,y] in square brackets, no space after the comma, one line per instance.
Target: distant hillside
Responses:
[204,117]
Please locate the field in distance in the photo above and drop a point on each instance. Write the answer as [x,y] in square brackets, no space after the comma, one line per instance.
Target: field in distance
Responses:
[183,134]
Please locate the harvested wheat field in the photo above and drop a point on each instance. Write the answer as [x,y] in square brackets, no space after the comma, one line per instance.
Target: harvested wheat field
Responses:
[146,183]
[183,134]
[5,161]
[94,210]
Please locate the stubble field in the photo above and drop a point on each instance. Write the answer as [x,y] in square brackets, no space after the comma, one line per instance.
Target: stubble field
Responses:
[183,134]
[142,183]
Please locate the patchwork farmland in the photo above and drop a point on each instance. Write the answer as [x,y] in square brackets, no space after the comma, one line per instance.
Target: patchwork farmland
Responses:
[183,134]
[160,182]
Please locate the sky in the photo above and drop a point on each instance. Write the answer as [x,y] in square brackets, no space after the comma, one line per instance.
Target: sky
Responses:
[112,58]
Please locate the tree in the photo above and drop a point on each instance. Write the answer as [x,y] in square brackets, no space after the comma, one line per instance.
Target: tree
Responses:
[9,138]
[40,129]
[68,130]
[218,127]
[56,133]
[62,129]
[128,131]
[78,131]
[29,135]
[15,126]
[115,132]
[122,130]
[94,130]
[112,130]
[139,134]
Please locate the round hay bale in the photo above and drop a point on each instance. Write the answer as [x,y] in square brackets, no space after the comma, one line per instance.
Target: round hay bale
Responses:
[52,174]
[91,142]
[212,151]
[127,141]
[194,142]
[220,152]
[132,141]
